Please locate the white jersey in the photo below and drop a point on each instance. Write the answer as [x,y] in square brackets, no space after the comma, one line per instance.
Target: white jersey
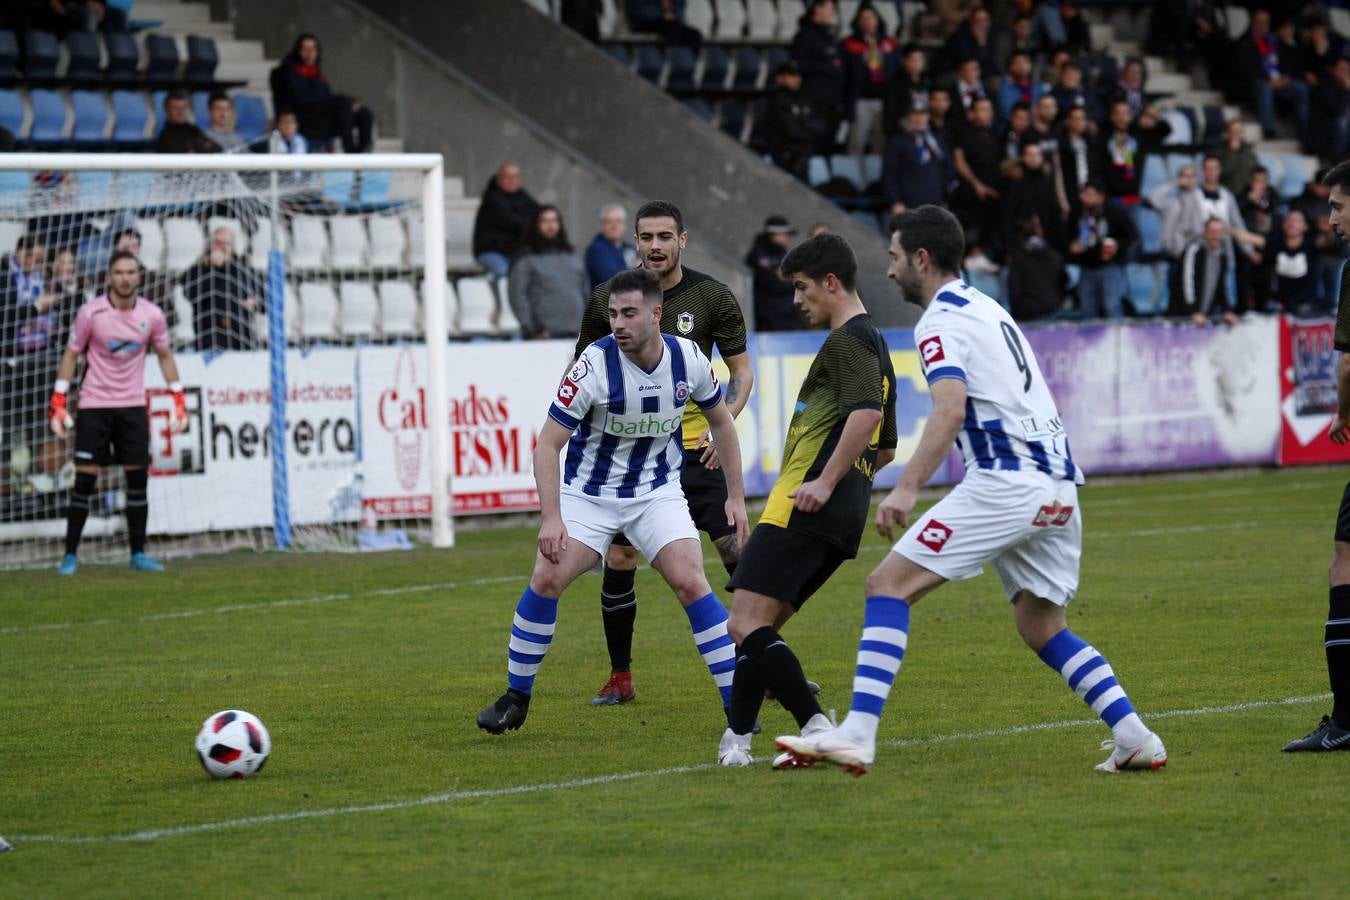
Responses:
[1012,423]
[625,423]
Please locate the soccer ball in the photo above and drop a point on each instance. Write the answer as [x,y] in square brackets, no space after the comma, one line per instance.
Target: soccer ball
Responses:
[233,744]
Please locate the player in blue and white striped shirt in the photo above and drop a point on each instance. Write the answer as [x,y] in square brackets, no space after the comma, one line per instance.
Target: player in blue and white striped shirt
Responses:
[618,412]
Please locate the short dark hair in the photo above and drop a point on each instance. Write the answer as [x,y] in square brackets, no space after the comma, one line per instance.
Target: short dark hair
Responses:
[639,279]
[934,229]
[219,95]
[654,209]
[1338,176]
[175,95]
[124,232]
[825,254]
[119,255]
[28,241]
[282,111]
[1095,184]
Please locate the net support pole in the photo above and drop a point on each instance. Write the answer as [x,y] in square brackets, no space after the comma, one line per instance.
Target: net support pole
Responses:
[276,352]
[438,366]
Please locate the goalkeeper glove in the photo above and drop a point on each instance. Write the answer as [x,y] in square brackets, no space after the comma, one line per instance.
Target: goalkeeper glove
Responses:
[59,417]
[179,420]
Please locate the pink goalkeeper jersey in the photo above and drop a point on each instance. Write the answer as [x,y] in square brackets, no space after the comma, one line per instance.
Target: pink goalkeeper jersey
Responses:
[114,344]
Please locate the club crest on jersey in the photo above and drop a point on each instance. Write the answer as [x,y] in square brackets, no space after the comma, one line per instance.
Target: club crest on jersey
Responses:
[143,325]
[681,391]
[930,350]
[1054,514]
[685,323]
[934,535]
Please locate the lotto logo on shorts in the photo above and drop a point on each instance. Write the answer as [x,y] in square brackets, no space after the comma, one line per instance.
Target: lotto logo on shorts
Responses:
[934,535]
[931,350]
[1053,515]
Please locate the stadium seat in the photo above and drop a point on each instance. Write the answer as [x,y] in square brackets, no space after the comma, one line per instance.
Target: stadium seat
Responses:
[388,242]
[161,65]
[890,19]
[730,19]
[157,109]
[507,323]
[618,53]
[1274,164]
[318,311]
[459,218]
[987,283]
[202,60]
[715,68]
[184,243]
[373,186]
[338,187]
[609,18]
[790,13]
[849,168]
[1141,288]
[14,187]
[650,62]
[11,112]
[82,56]
[350,243]
[773,59]
[1155,174]
[817,171]
[699,107]
[10,232]
[360,314]
[398,310]
[201,108]
[1238,20]
[762,18]
[417,256]
[699,14]
[95,188]
[130,117]
[731,118]
[871,169]
[9,55]
[91,117]
[1149,223]
[42,53]
[1298,171]
[261,244]
[123,57]
[250,116]
[236,230]
[451,301]
[49,117]
[681,72]
[748,66]
[1183,131]
[183,334]
[1340,20]
[152,240]
[477,307]
[309,242]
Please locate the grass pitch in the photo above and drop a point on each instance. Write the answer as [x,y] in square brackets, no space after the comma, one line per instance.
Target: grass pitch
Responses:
[1206,594]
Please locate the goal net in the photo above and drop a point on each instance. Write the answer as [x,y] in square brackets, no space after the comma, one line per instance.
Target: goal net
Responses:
[277,276]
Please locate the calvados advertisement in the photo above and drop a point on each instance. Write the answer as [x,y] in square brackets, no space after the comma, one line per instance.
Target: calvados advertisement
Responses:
[1308,392]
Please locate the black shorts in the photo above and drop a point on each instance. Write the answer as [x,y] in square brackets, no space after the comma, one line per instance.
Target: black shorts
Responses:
[705,490]
[787,565]
[1343,517]
[104,437]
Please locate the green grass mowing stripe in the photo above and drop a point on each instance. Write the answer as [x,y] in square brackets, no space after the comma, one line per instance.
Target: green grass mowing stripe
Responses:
[153,834]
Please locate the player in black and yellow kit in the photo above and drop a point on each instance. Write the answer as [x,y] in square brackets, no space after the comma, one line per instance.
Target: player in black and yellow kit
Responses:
[702,309]
[842,431]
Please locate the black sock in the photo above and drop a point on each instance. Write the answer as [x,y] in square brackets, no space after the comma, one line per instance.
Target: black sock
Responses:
[138,509]
[78,511]
[780,672]
[747,695]
[618,606]
[1338,653]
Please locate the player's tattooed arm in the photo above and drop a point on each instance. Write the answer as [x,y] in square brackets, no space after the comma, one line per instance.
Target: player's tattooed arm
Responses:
[739,382]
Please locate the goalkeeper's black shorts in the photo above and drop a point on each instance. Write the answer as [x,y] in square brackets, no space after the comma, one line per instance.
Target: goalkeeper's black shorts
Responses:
[114,436]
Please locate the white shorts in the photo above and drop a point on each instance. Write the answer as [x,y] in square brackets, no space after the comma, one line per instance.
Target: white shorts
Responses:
[650,521]
[1026,524]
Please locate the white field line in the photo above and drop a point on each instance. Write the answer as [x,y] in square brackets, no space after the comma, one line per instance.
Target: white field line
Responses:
[1184,496]
[498,579]
[153,834]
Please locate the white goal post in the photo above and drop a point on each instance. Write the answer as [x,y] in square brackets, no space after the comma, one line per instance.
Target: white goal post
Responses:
[260,190]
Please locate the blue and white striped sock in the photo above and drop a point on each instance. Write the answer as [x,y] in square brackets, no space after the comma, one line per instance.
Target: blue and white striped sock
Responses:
[1090,676]
[708,622]
[531,633]
[884,638]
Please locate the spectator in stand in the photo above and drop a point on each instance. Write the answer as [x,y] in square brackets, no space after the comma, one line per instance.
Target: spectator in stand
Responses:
[820,61]
[1188,31]
[1019,86]
[1130,88]
[221,130]
[1181,207]
[1321,48]
[916,167]
[1019,124]
[548,286]
[178,134]
[1017,39]
[664,18]
[286,136]
[224,293]
[774,309]
[609,252]
[871,60]
[1260,207]
[300,85]
[1069,92]
[940,120]
[1219,203]
[908,86]
[1291,261]
[1125,146]
[1077,33]
[1268,65]
[968,86]
[1080,156]
[976,159]
[1036,276]
[1101,239]
[1200,285]
[1237,158]
[504,213]
[1331,134]
[973,40]
[1031,193]
[795,128]
[1044,119]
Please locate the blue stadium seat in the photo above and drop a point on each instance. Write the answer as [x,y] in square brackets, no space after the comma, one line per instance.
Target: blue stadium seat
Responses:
[130,117]
[988,283]
[49,117]
[375,186]
[82,50]
[11,112]
[618,53]
[338,187]
[1274,163]
[9,56]
[650,62]
[871,169]
[201,108]
[1175,162]
[699,107]
[776,56]
[161,59]
[250,115]
[1149,224]
[747,69]
[91,117]
[202,60]
[849,168]
[95,188]
[1182,121]
[1155,174]
[135,188]
[41,54]
[715,68]
[1296,175]
[1214,122]
[731,117]
[157,109]
[1141,288]
[123,58]
[14,191]
[817,171]
[681,75]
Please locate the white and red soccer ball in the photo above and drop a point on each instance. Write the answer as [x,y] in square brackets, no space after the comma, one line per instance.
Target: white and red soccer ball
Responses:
[233,744]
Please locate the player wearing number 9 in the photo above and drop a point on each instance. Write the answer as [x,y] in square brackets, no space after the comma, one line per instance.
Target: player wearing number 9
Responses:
[113,332]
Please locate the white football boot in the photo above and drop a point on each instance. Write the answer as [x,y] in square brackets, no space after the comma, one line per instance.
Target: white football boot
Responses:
[831,746]
[816,725]
[734,749]
[1150,755]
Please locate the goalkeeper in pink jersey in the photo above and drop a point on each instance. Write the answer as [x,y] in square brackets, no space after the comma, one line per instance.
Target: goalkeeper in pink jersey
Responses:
[114,332]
